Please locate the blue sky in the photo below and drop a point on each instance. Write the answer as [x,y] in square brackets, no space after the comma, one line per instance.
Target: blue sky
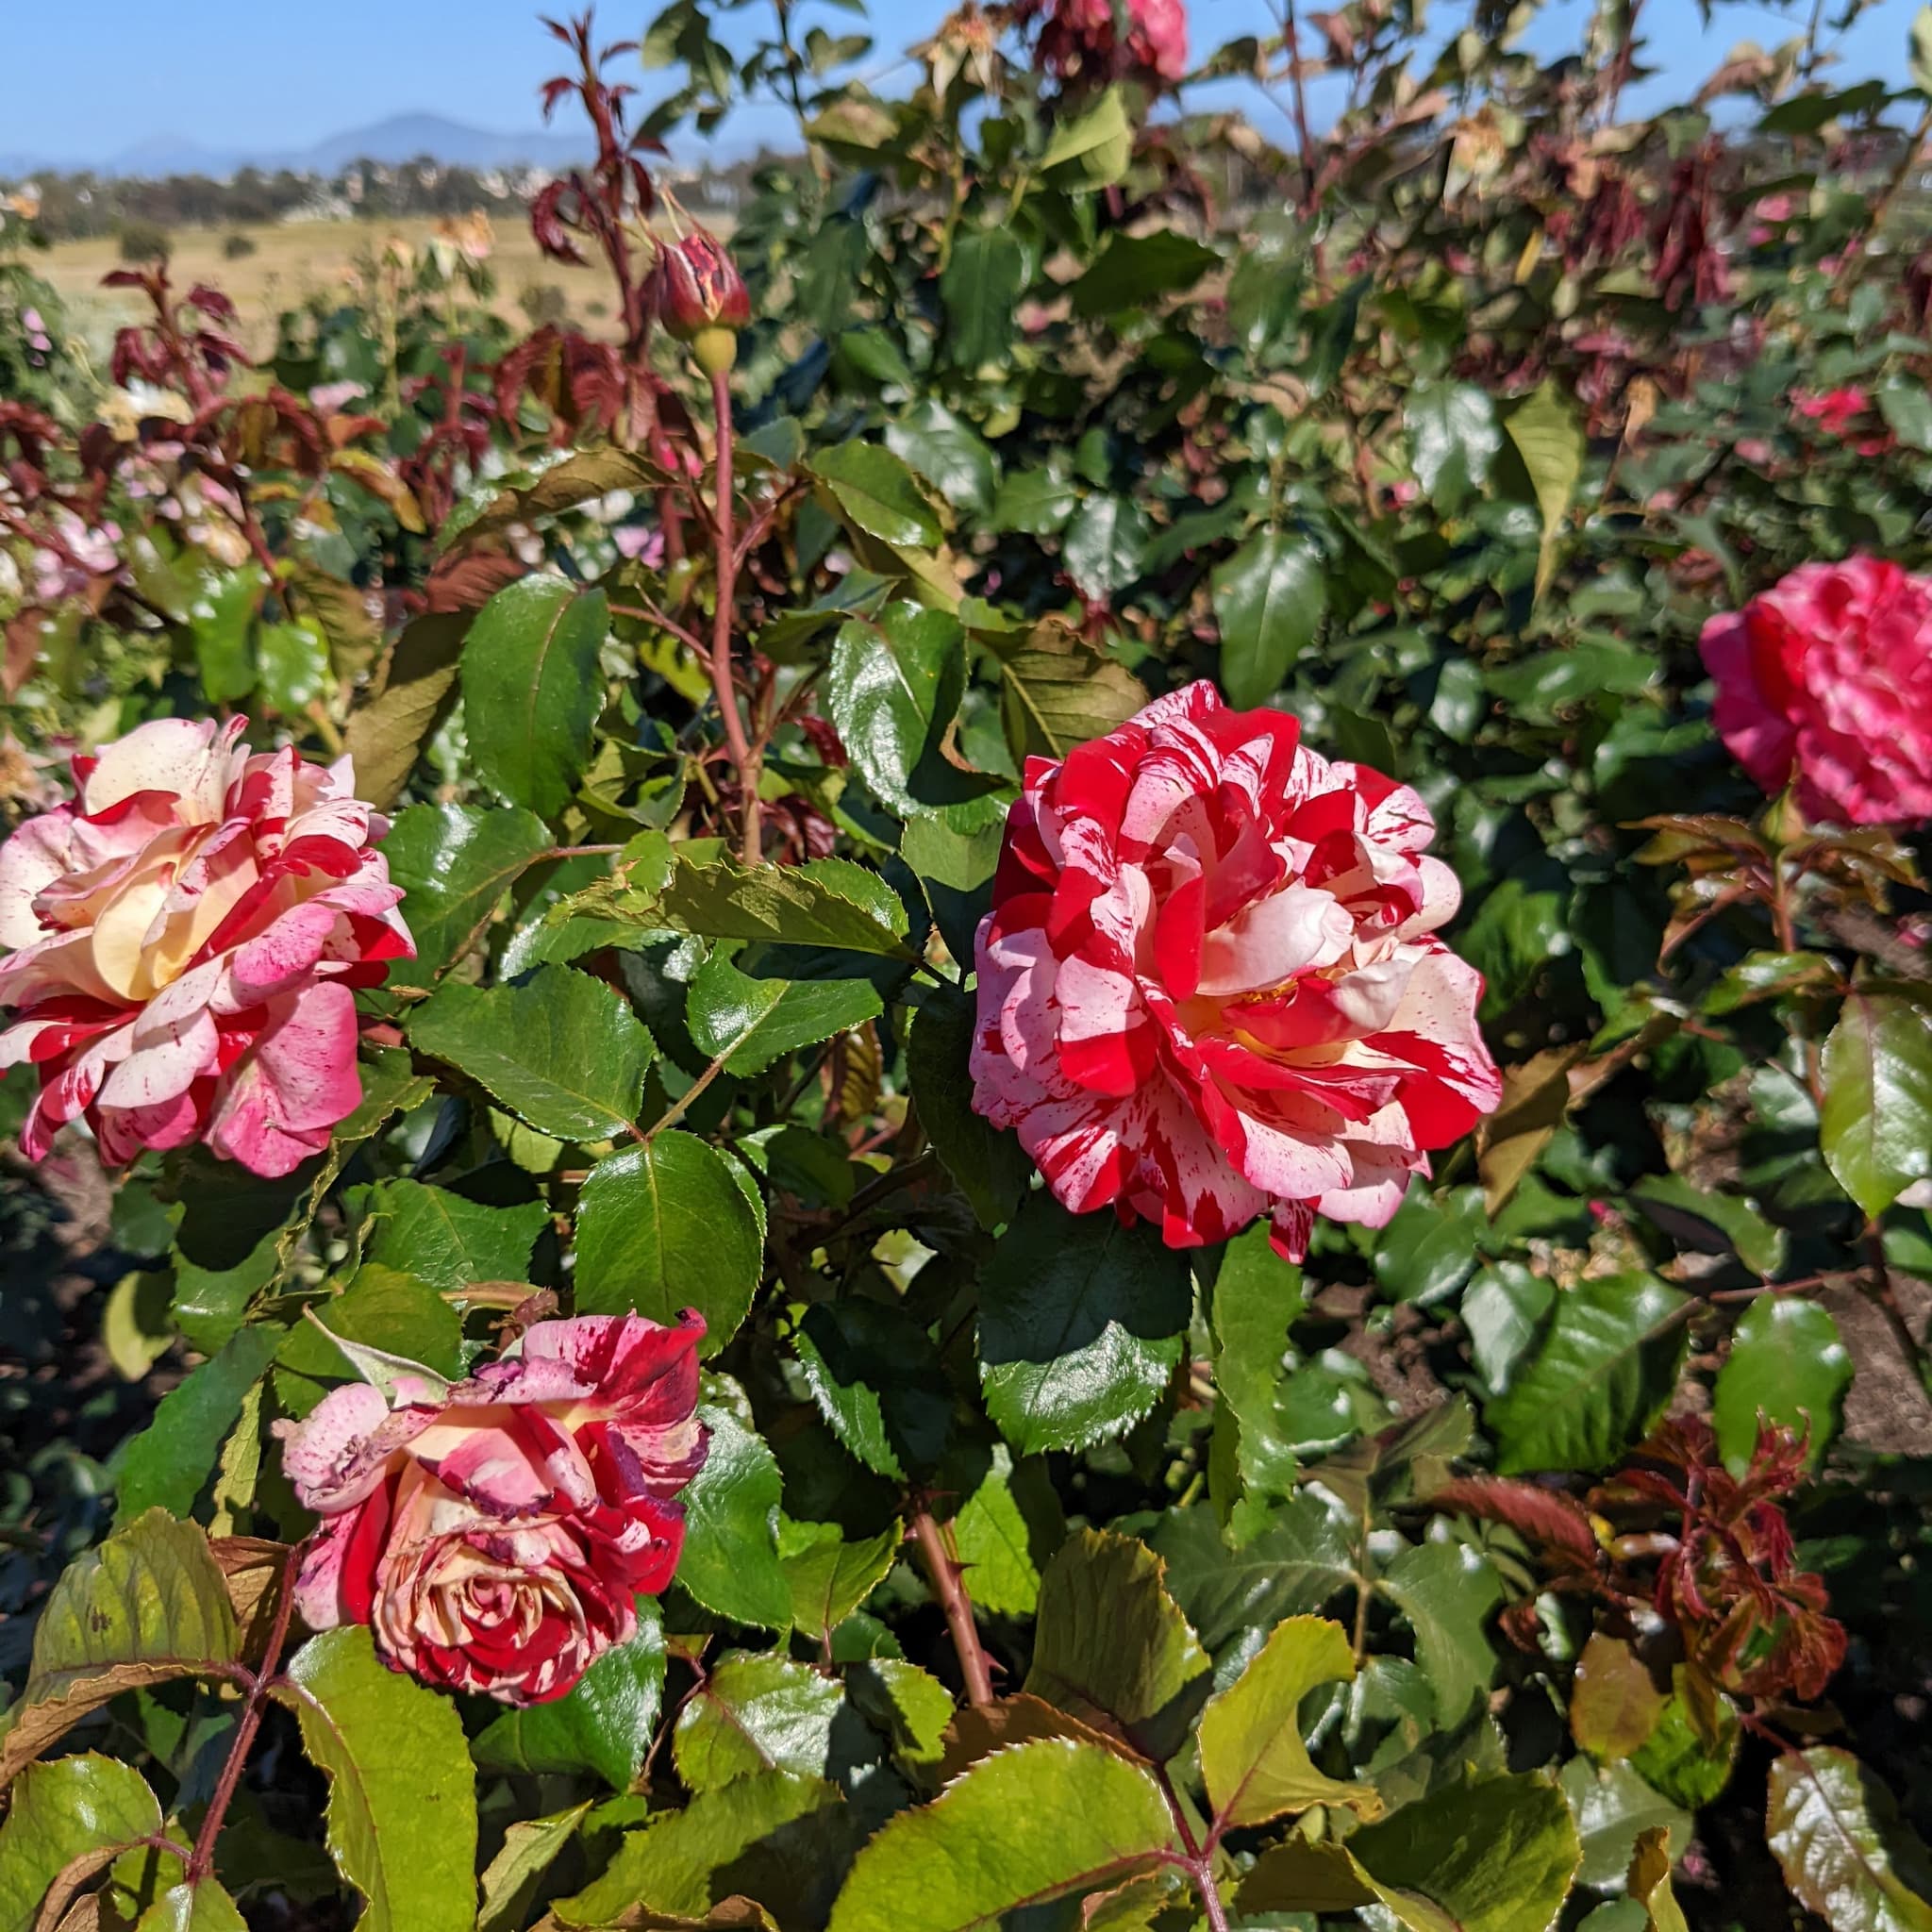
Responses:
[100,75]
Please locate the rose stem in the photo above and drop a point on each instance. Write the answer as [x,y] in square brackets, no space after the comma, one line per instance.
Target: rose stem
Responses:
[949,1585]
[742,755]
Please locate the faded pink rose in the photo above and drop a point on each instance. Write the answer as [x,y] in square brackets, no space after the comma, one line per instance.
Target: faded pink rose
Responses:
[1827,678]
[1208,985]
[495,1534]
[1839,413]
[188,935]
[1084,39]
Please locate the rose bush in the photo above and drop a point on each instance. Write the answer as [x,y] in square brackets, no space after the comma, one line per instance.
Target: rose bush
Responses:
[187,941]
[1824,682]
[1209,988]
[496,1533]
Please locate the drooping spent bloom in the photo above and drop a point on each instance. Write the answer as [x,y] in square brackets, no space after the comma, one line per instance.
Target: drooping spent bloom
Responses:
[1827,678]
[1209,988]
[699,297]
[1083,39]
[188,935]
[496,1533]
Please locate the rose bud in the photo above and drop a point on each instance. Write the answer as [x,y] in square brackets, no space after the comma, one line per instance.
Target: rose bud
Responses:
[187,938]
[1210,986]
[496,1533]
[700,298]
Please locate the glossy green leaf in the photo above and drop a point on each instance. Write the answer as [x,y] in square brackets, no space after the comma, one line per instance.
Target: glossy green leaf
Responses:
[1549,439]
[1269,600]
[200,1907]
[413,691]
[531,689]
[402,1807]
[1252,1759]
[220,621]
[1614,1808]
[830,1578]
[1257,1295]
[990,1166]
[1112,1646]
[1056,692]
[292,662]
[1452,439]
[948,452]
[1027,1824]
[877,1380]
[749,1022]
[1001,1531]
[1876,1128]
[167,1464]
[753,1713]
[455,862]
[562,1051]
[879,495]
[530,1847]
[829,901]
[1787,1365]
[1296,1563]
[730,1562]
[1599,1380]
[980,287]
[602,1724]
[446,1240]
[1133,271]
[664,1227]
[1448,1593]
[69,1809]
[1080,1325]
[1090,148]
[1835,1829]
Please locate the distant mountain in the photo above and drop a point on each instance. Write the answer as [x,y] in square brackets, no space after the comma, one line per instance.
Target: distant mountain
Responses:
[400,138]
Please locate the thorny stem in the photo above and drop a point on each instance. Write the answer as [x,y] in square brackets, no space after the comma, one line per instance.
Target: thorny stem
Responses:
[1199,1862]
[949,1585]
[201,1862]
[743,756]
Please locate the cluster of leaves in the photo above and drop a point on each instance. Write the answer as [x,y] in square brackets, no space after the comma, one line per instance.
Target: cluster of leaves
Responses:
[1005,1582]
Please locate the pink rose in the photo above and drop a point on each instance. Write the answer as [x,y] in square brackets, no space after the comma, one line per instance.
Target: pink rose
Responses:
[188,933]
[1828,678]
[1837,413]
[1083,37]
[1207,985]
[495,1534]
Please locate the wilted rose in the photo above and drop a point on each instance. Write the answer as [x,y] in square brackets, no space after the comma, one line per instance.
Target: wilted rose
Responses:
[188,933]
[1208,985]
[1827,678]
[496,1533]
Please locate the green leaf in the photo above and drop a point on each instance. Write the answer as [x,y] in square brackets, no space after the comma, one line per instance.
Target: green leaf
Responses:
[530,1847]
[1599,1380]
[395,1314]
[1614,1808]
[219,620]
[1132,271]
[1448,1593]
[948,452]
[1834,1827]
[1503,1309]
[1105,545]
[167,1464]
[753,1713]
[1452,439]
[1090,148]
[910,1706]
[1709,1223]
[877,1380]
[830,1578]
[602,1724]
[413,691]
[1786,1365]
[1614,1702]
[1678,1758]
[990,1168]
[1429,1250]
[996,1539]
[1252,1759]
[562,1051]
[1269,600]
[664,1227]
[1295,1563]
[447,1240]
[1548,438]
[730,1562]
[1113,1648]
[1020,1827]
[894,686]
[980,287]
[749,1023]
[60,1812]
[879,495]
[1056,690]
[146,1606]
[401,1808]
[1080,1325]
[777,1837]
[1495,1856]
[1257,1295]
[1876,1127]
[532,691]
[1036,503]
[1908,413]
[454,863]
[294,664]
[829,901]
[202,1906]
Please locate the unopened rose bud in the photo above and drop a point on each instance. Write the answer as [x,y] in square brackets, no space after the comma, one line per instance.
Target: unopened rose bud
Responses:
[700,298]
